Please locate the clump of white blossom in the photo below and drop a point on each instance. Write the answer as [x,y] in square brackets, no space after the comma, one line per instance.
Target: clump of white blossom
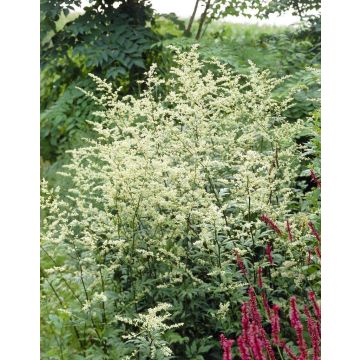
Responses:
[175,181]
[150,326]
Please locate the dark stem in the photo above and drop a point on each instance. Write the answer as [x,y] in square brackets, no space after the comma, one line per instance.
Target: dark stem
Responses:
[202,19]
[103,290]
[297,7]
[251,233]
[62,278]
[188,29]
[64,306]
[219,248]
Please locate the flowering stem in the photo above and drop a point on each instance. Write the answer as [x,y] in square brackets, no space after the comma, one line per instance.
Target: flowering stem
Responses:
[251,233]
[288,228]
[219,248]
[103,290]
[218,200]
[104,346]
[62,278]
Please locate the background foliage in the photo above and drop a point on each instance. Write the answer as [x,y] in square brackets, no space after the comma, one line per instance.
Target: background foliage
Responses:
[112,39]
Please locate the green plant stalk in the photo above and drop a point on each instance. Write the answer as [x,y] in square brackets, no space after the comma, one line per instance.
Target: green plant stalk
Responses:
[64,306]
[188,29]
[202,19]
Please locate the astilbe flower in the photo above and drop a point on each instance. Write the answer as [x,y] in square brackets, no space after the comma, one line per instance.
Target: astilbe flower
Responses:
[315,179]
[245,322]
[270,223]
[257,335]
[275,324]
[288,228]
[226,345]
[265,303]
[153,176]
[243,350]
[313,231]
[296,324]
[317,250]
[268,253]
[240,264]
[309,257]
[315,305]
[253,339]
[314,334]
[267,344]
[253,307]
[255,342]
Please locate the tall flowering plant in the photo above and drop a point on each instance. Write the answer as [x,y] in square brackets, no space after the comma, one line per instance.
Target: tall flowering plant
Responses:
[256,343]
[201,165]
[259,342]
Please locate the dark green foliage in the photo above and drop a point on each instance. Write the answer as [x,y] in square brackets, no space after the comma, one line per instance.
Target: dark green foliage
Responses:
[222,8]
[62,122]
[306,99]
[297,7]
[104,39]
[51,11]
[112,40]
[116,45]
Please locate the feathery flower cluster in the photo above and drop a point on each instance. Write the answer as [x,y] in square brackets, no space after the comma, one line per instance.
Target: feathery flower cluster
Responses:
[314,232]
[315,305]
[314,333]
[151,325]
[169,185]
[253,306]
[270,223]
[315,178]
[223,310]
[241,264]
[265,303]
[254,344]
[226,345]
[253,339]
[275,324]
[296,324]
[243,349]
[268,253]
[309,256]
[288,228]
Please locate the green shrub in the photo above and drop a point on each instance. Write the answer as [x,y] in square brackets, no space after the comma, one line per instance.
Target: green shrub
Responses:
[175,183]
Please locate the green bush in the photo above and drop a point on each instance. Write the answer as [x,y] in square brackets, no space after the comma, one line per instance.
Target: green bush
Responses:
[113,39]
[138,256]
